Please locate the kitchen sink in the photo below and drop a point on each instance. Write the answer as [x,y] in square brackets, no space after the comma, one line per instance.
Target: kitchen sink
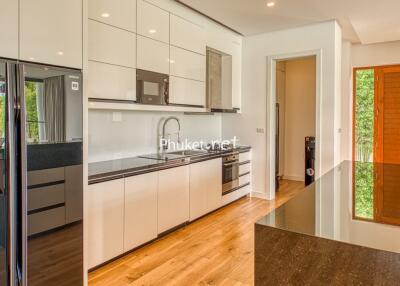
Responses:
[188,152]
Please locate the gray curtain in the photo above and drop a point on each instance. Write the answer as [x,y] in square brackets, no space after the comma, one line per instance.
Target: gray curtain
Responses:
[54,102]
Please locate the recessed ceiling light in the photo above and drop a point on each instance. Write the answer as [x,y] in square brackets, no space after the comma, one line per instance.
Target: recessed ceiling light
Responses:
[31,58]
[60,53]
[105,15]
[152,31]
[270,4]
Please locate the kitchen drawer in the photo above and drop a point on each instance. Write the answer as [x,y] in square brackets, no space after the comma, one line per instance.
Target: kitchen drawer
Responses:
[111,82]
[121,14]
[186,91]
[244,168]
[244,179]
[244,157]
[226,199]
[152,55]
[45,176]
[187,35]
[111,45]
[152,22]
[187,64]
[45,196]
[46,220]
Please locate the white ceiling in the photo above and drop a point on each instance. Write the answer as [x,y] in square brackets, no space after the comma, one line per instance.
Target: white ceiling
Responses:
[365,21]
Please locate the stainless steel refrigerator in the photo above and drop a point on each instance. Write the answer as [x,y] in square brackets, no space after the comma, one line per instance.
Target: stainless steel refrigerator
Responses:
[41,183]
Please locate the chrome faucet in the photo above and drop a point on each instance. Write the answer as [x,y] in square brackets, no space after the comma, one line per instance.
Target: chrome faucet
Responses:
[165,147]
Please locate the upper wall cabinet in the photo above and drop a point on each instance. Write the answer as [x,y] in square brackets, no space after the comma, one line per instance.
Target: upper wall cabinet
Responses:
[187,64]
[187,35]
[152,22]
[152,55]
[120,13]
[51,32]
[9,29]
[111,45]
[111,82]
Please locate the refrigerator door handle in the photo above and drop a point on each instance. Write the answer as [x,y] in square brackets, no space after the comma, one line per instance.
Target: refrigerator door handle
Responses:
[20,105]
[11,174]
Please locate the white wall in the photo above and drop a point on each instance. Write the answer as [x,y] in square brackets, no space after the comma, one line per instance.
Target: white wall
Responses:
[114,135]
[360,56]
[321,37]
[300,96]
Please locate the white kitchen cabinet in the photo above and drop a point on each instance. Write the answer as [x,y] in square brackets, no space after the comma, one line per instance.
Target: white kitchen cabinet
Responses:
[173,198]
[107,81]
[118,13]
[140,210]
[9,29]
[205,187]
[244,156]
[105,221]
[152,21]
[187,64]
[51,32]
[111,45]
[187,35]
[186,91]
[152,55]
[244,168]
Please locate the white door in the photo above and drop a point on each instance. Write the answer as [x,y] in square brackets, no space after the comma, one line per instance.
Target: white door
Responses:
[105,221]
[140,210]
[51,32]
[173,198]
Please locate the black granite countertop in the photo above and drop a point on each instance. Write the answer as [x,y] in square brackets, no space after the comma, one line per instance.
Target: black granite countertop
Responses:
[120,168]
[364,214]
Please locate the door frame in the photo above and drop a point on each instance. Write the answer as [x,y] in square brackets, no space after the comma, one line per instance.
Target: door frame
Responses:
[271,113]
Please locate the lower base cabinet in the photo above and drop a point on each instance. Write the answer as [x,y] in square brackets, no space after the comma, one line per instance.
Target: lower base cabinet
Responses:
[173,198]
[105,221]
[140,210]
[205,187]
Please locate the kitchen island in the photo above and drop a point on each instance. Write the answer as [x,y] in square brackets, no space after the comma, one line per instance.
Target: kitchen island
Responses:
[341,230]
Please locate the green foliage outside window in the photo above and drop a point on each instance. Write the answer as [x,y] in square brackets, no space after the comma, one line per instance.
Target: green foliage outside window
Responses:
[364,117]
[364,140]
[32,110]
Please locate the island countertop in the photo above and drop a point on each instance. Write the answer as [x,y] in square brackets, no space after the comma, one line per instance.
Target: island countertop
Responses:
[344,228]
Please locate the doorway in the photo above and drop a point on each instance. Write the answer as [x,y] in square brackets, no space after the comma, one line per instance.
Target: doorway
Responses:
[295,118]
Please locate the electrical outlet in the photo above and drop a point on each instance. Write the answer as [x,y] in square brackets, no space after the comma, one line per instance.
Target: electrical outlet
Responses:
[260,130]
[116,116]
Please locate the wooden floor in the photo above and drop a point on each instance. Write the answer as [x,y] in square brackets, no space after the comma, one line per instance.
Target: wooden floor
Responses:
[215,250]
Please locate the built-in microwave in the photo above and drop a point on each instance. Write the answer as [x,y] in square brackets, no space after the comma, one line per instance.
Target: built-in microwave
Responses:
[152,87]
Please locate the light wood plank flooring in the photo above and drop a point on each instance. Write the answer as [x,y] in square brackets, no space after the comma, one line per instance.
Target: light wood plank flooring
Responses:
[215,250]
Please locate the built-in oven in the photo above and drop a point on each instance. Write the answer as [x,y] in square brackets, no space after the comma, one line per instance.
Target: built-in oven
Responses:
[152,87]
[230,172]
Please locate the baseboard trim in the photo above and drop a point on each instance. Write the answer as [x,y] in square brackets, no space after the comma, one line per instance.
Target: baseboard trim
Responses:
[258,195]
[293,178]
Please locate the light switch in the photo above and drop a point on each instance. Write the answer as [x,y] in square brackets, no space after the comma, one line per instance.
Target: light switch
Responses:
[260,130]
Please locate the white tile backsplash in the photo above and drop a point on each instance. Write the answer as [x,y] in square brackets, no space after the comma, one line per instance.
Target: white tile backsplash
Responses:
[122,134]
